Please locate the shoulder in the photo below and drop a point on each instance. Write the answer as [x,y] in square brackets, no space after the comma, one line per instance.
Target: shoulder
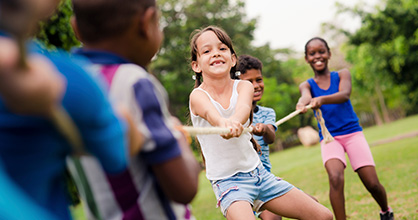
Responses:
[305,85]
[245,85]
[344,73]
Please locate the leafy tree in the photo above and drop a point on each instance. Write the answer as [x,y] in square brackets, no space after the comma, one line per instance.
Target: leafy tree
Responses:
[57,31]
[389,37]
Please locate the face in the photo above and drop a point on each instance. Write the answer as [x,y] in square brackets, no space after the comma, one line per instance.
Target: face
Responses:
[317,55]
[214,58]
[256,78]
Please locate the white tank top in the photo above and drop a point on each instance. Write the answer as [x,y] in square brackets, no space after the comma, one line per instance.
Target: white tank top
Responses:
[223,157]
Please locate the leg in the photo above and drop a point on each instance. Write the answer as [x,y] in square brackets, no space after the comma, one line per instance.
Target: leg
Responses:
[370,180]
[267,215]
[296,204]
[240,210]
[335,170]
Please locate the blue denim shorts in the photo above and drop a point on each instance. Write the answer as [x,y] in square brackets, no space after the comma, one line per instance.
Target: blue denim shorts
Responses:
[256,187]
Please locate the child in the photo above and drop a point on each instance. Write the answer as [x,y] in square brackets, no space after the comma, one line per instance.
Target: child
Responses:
[330,91]
[233,167]
[264,118]
[120,40]
[33,152]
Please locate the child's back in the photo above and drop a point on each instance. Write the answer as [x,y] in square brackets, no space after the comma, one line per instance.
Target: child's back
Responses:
[165,170]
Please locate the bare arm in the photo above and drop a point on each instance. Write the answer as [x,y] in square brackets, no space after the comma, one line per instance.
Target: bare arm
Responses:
[341,96]
[305,98]
[267,131]
[36,90]
[179,177]
[201,105]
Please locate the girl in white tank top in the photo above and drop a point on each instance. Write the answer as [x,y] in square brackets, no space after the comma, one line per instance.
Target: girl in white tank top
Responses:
[239,180]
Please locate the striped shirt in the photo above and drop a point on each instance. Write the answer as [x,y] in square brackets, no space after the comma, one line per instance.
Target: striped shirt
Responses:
[134,194]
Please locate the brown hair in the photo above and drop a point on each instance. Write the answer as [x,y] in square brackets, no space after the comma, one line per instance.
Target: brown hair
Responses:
[222,36]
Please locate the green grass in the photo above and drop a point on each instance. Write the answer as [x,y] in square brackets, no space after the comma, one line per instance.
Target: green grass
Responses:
[396,165]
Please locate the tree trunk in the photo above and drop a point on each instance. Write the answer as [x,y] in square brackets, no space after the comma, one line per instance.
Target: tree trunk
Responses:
[376,113]
[382,103]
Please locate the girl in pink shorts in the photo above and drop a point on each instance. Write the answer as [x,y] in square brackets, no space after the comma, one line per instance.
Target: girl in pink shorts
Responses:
[330,91]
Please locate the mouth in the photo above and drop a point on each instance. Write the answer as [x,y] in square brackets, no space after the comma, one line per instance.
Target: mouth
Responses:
[257,93]
[217,63]
[318,62]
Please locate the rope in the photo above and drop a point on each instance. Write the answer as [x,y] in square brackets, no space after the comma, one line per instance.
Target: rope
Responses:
[193,131]
[325,133]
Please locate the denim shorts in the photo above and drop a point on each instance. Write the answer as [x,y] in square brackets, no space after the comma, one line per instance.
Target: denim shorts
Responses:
[256,187]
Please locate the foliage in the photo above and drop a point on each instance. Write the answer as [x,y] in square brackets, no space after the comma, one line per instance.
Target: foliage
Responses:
[385,48]
[57,31]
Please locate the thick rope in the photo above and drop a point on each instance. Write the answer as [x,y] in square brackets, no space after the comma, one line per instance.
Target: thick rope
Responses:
[193,131]
[325,133]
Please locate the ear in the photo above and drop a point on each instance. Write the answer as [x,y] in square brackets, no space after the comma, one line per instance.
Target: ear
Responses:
[149,18]
[306,59]
[234,59]
[196,67]
[73,22]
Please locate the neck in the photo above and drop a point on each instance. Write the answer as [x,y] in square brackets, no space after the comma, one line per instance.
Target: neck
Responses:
[216,86]
[324,72]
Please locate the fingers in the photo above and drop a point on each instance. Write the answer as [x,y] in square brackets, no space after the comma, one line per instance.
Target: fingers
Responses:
[236,129]
[301,107]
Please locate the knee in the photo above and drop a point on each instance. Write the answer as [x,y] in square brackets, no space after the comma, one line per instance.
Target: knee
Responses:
[336,180]
[326,214]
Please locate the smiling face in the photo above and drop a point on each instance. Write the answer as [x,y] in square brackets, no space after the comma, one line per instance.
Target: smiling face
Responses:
[256,78]
[317,55]
[214,58]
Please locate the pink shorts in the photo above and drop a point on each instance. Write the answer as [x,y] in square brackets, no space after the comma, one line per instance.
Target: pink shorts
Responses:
[356,146]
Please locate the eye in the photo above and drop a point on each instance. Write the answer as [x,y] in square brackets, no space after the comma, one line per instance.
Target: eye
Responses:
[223,48]
[205,51]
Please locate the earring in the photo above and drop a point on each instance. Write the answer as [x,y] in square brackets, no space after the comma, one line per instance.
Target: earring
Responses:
[194,77]
[237,73]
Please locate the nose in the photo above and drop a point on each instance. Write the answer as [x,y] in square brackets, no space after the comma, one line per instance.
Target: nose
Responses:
[216,53]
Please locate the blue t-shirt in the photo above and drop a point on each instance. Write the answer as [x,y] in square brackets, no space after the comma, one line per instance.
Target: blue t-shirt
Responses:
[266,116]
[34,152]
[340,119]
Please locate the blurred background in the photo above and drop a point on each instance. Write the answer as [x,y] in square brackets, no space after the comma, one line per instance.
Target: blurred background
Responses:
[377,40]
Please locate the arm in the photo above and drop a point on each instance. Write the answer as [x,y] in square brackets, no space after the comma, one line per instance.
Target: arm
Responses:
[266,130]
[341,96]
[201,105]
[172,160]
[179,177]
[305,98]
[35,90]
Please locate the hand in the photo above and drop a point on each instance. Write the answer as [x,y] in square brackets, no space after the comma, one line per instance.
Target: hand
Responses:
[260,129]
[301,107]
[236,128]
[316,102]
[36,90]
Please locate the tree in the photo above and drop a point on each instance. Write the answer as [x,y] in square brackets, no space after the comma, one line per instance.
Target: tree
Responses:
[390,38]
[57,31]
[179,20]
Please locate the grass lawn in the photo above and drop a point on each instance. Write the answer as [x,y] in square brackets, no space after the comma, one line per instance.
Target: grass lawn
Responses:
[396,164]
